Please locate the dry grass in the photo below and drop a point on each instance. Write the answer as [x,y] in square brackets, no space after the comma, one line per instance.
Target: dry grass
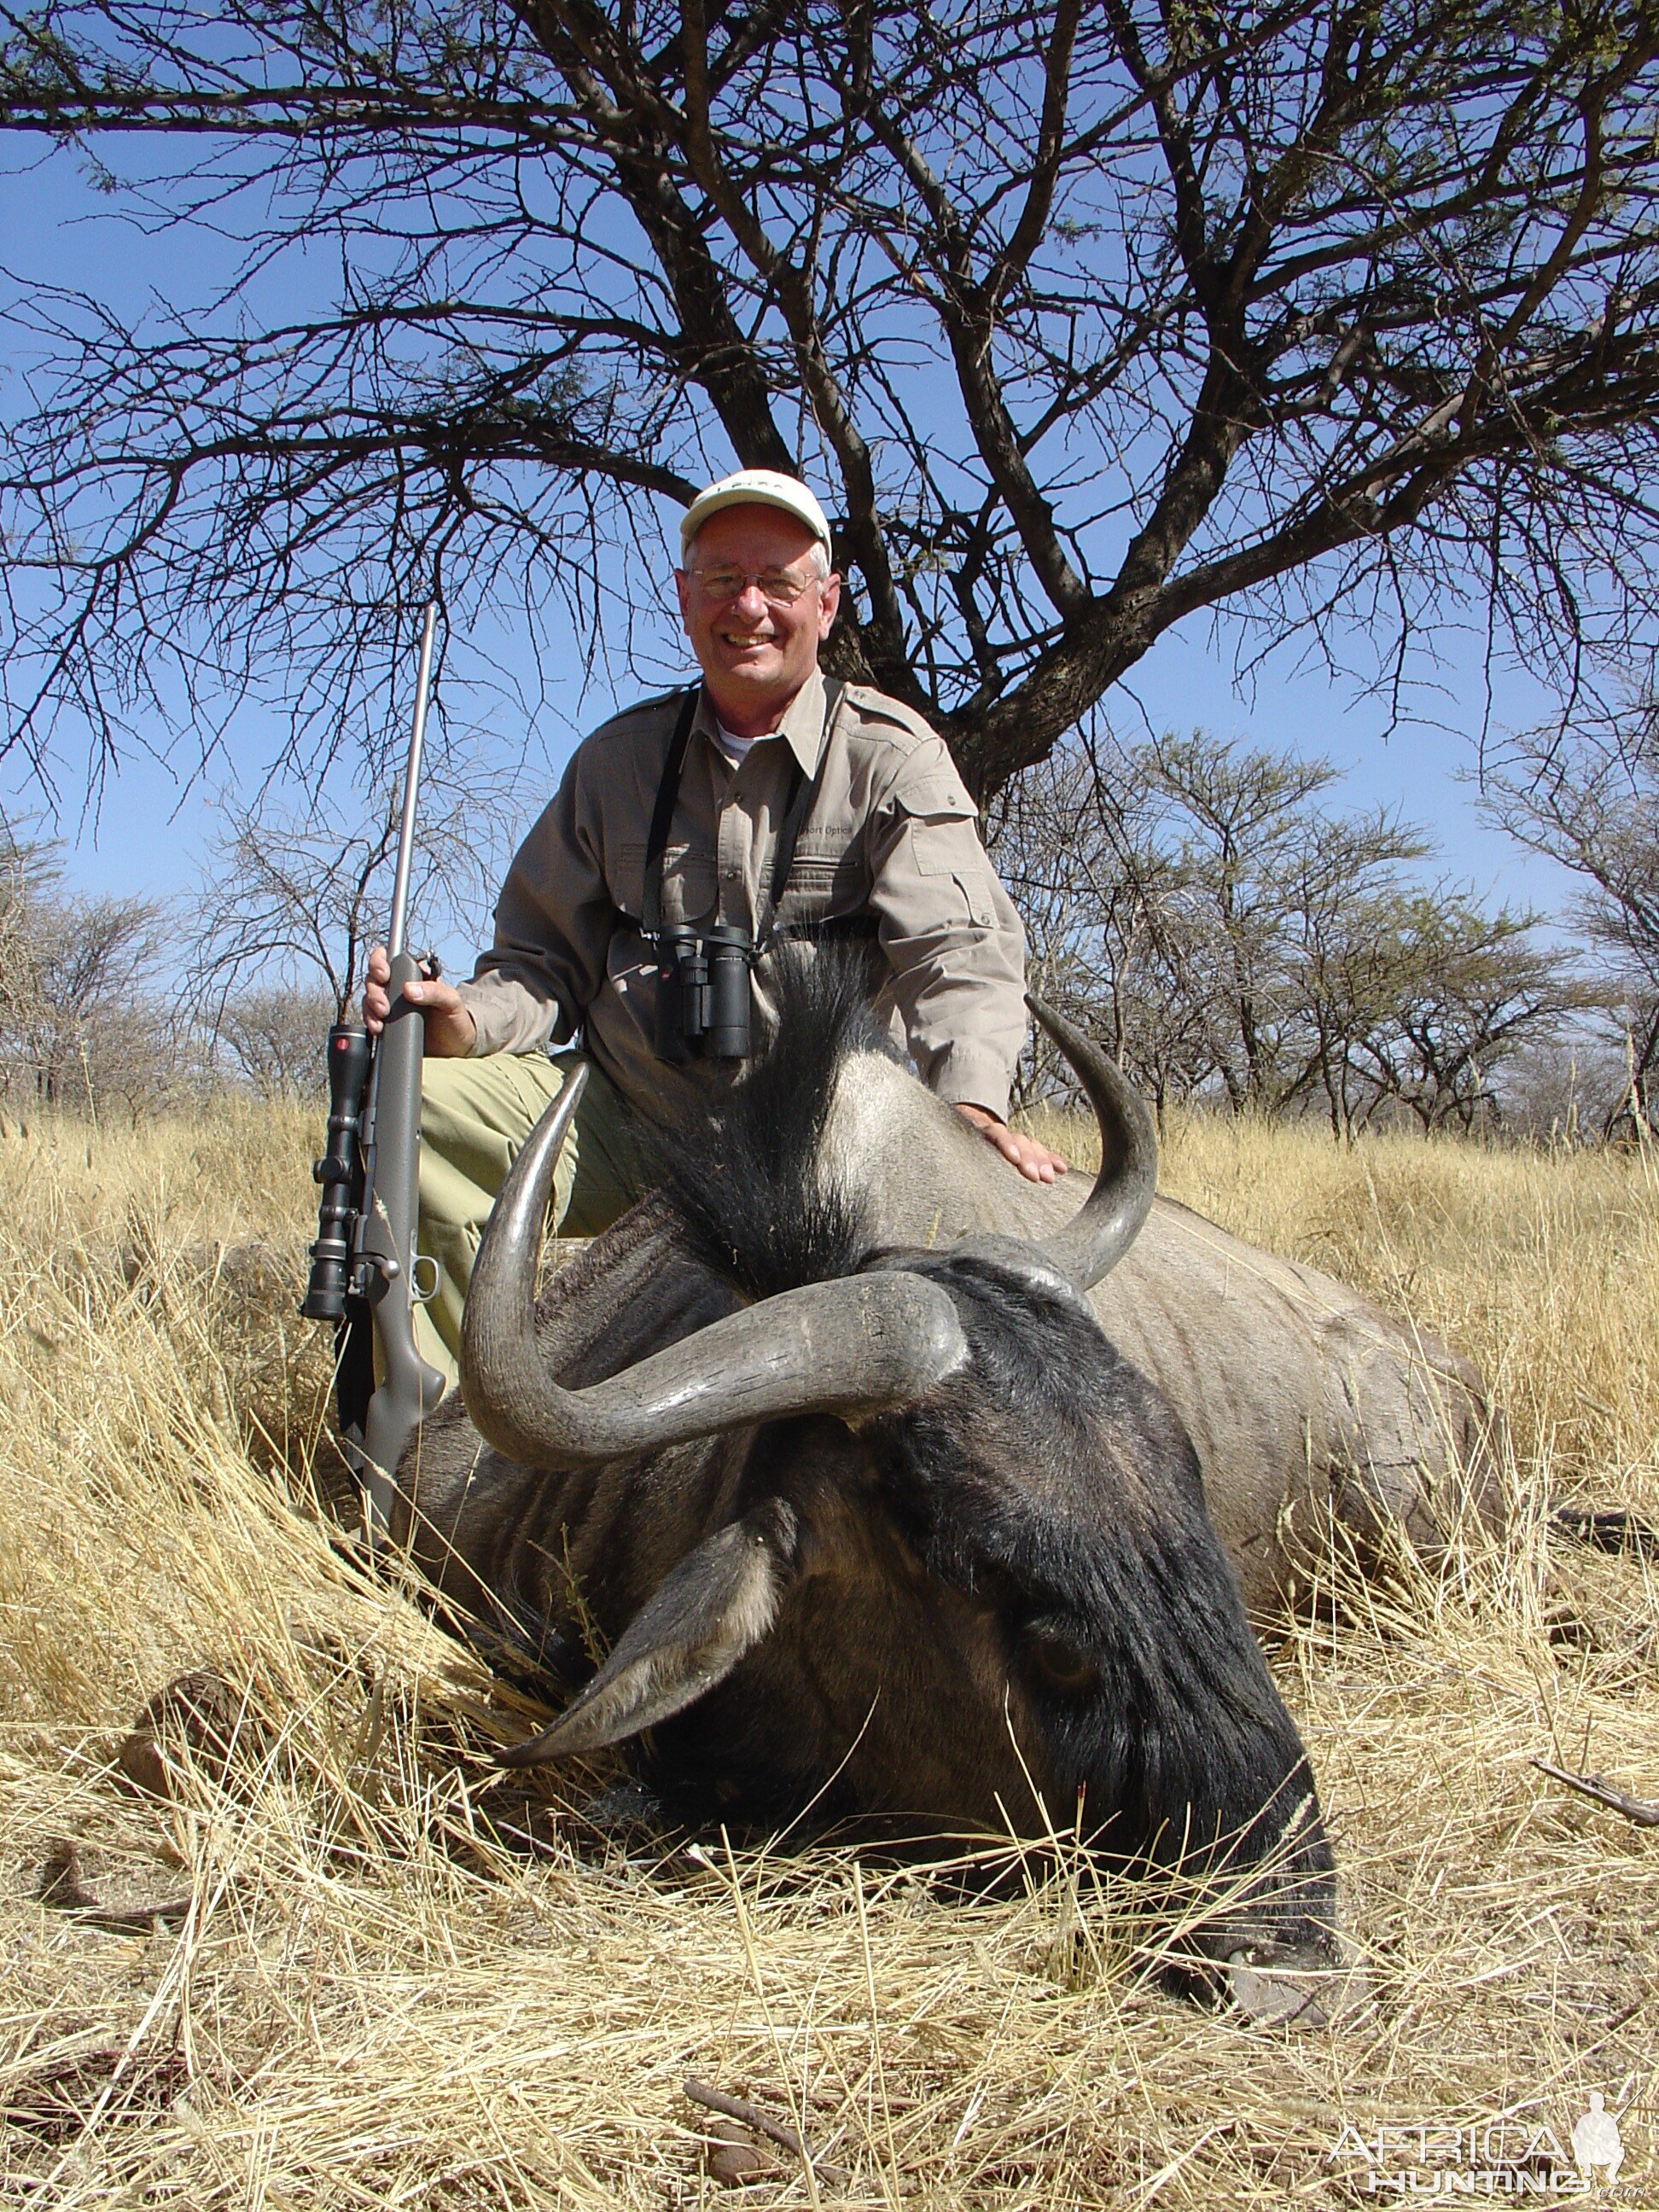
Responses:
[364,1989]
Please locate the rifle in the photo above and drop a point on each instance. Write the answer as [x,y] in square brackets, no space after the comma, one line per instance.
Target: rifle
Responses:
[363,1264]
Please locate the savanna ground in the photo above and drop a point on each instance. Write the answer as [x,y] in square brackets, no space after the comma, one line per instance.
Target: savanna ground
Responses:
[339,1966]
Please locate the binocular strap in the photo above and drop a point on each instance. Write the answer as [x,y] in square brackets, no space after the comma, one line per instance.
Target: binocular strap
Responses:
[662,815]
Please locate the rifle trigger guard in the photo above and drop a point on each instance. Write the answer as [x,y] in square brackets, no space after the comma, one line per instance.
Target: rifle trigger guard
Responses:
[424,1277]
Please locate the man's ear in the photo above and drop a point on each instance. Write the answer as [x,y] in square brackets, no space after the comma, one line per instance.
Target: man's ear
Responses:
[717,1604]
[829,604]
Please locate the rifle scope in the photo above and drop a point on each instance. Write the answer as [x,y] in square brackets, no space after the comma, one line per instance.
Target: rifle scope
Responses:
[340,1173]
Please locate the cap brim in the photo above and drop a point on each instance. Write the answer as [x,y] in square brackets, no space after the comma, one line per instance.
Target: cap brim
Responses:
[711,503]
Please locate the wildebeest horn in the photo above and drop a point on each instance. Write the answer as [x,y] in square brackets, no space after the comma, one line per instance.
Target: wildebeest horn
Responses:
[853,1347]
[1099,1234]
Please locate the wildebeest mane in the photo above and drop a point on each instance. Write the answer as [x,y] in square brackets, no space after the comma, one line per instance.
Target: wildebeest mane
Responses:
[743,1167]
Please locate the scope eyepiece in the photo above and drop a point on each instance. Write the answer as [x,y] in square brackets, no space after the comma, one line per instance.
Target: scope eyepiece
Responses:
[330,1280]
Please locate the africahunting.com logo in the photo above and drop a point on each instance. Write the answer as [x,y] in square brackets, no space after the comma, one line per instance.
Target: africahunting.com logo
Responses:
[1497,2158]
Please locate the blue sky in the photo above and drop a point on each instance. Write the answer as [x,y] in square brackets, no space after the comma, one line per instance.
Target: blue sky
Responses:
[148,833]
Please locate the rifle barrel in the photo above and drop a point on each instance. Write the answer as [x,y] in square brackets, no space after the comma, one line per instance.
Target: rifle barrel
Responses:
[395,935]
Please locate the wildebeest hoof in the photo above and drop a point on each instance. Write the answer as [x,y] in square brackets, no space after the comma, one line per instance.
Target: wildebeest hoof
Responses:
[1278,1994]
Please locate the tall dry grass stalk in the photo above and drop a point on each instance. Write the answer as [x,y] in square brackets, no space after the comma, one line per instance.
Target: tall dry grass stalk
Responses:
[343,1966]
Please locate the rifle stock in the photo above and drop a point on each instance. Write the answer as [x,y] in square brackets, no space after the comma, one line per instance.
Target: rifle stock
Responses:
[406,1388]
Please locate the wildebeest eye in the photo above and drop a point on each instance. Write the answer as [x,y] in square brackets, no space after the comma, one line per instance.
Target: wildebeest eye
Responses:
[1059,1658]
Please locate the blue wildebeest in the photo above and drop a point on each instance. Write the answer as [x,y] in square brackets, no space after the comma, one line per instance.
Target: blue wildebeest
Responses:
[896,1533]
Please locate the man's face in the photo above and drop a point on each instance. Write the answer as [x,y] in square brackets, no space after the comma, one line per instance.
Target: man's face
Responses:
[755,654]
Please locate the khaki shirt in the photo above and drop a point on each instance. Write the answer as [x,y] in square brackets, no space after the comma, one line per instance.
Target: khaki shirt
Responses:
[893,834]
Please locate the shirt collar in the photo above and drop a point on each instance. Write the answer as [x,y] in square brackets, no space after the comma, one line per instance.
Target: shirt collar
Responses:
[801,729]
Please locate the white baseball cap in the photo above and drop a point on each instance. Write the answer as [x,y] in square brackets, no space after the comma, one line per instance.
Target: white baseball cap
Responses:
[755,488]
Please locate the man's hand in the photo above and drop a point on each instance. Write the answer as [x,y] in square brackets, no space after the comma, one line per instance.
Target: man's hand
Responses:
[1034,1161]
[450,1029]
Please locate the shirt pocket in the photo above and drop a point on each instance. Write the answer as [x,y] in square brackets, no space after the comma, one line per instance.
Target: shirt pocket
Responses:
[942,818]
[688,883]
[940,843]
[829,874]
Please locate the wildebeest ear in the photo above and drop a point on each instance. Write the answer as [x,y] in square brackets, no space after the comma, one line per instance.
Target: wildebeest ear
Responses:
[717,1604]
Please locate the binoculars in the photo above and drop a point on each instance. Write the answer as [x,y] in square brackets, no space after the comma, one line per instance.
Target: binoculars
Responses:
[703,993]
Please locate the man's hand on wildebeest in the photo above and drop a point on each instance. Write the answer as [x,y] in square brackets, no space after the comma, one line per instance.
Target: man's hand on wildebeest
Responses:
[1034,1161]
[450,1029]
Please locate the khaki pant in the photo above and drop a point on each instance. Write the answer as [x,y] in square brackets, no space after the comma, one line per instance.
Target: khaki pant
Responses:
[475,1115]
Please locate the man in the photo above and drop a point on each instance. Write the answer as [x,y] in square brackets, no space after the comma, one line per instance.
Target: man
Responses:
[788,803]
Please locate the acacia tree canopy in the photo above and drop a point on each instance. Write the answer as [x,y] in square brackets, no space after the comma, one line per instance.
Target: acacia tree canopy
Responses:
[1589,799]
[1233,937]
[1088,319]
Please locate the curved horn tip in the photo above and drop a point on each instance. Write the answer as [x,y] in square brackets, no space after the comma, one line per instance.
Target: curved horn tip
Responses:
[535,1750]
[1110,1218]
[501,1363]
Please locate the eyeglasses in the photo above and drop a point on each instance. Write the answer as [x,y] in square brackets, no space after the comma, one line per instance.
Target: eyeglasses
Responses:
[777,586]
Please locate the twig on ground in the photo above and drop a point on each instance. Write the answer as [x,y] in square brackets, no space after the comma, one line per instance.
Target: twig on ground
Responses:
[1644,1811]
[1608,1529]
[63,1887]
[777,2131]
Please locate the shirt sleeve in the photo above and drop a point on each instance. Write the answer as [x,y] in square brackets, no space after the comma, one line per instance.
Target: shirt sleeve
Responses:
[950,931]
[553,921]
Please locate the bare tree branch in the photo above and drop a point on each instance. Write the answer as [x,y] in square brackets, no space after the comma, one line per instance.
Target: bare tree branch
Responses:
[1340,319]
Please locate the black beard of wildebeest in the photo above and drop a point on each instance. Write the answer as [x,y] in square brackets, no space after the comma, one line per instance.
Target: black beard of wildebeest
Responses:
[895,1535]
